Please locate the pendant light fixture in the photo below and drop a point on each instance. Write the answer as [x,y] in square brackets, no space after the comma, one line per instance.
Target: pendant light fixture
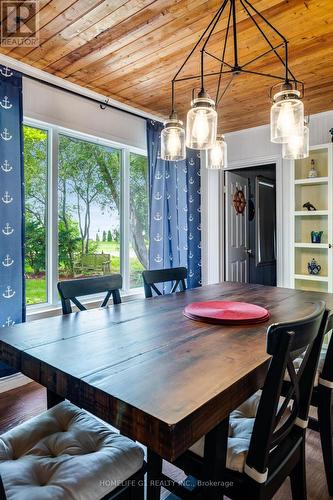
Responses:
[298,147]
[287,113]
[217,155]
[173,140]
[173,136]
[201,124]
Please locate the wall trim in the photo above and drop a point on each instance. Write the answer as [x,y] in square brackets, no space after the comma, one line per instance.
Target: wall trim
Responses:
[13,382]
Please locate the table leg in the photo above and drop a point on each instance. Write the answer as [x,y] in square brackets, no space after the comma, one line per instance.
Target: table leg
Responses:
[154,471]
[53,399]
[215,455]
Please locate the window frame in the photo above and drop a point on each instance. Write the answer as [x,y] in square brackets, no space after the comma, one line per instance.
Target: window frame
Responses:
[51,267]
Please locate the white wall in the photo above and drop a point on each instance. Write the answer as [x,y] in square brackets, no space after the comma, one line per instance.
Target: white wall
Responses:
[60,108]
[255,142]
[252,147]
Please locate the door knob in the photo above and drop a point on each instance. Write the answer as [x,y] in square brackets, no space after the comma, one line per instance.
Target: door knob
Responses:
[248,251]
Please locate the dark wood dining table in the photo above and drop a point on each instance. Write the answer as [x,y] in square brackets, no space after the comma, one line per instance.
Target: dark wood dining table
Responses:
[157,376]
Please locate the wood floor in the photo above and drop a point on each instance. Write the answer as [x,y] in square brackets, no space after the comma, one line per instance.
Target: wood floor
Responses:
[20,404]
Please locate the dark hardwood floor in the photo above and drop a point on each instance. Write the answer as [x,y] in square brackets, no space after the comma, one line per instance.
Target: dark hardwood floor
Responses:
[25,402]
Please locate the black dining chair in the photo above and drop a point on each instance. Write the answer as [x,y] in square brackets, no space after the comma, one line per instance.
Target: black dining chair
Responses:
[322,399]
[69,290]
[67,453]
[266,442]
[151,278]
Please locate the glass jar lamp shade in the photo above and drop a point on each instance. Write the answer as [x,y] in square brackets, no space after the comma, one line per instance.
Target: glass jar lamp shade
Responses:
[173,141]
[287,116]
[297,147]
[217,155]
[201,126]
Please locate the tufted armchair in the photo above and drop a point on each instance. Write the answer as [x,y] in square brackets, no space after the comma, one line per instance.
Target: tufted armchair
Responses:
[67,454]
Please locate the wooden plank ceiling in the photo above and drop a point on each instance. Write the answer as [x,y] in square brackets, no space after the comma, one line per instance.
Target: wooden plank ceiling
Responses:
[131,49]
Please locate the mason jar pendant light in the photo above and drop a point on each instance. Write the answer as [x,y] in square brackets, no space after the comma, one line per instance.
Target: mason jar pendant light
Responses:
[287,115]
[173,140]
[173,136]
[201,124]
[298,147]
[287,112]
[217,155]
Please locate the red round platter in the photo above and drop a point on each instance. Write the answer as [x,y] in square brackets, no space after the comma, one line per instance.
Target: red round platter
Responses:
[226,312]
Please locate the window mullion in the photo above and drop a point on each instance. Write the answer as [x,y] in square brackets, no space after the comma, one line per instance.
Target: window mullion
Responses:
[124,217]
[52,261]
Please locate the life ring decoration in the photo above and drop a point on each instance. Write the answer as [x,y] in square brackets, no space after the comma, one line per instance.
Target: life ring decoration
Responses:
[239,201]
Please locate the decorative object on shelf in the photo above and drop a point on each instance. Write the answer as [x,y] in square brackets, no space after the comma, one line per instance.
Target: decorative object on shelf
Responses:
[316,236]
[314,267]
[309,206]
[239,201]
[287,111]
[313,172]
[331,132]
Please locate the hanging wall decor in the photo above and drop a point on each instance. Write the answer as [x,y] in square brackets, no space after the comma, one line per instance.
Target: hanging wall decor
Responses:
[239,201]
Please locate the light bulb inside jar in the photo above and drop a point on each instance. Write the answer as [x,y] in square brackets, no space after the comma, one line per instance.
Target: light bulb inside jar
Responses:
[173,140]
[217,155]
[201,124]
[200,127]
[297,147]
[287,116]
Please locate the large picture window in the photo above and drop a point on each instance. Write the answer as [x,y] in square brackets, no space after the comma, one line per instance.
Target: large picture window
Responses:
[35,166]
[86,210]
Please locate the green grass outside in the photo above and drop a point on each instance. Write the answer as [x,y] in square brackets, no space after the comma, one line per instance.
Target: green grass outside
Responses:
[36,287]
[35,290]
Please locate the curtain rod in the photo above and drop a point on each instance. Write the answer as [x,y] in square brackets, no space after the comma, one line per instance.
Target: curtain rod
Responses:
[102,104]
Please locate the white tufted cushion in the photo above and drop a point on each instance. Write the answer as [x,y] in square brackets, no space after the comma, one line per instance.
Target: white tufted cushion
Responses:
[240,430]
[298,361]
[66,454]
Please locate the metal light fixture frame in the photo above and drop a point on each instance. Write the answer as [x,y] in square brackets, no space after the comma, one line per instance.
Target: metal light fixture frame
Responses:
[288,80]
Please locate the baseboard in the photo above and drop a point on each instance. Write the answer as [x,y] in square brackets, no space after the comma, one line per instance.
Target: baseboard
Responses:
[13,381]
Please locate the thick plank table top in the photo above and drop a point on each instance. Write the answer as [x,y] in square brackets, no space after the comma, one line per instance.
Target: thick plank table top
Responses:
[157,376]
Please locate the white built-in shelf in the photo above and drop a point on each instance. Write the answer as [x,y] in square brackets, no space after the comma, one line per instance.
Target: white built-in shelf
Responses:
[312,180]
[310,213]
[310,277]
[311,245]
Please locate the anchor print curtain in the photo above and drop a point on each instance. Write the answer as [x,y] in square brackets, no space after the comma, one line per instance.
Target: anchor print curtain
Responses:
[175,218]
[12,309]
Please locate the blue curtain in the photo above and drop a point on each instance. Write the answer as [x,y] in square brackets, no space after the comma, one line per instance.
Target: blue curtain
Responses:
[175,218]
[12,299]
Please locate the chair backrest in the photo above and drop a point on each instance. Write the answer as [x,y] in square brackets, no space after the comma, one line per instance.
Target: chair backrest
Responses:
[326,376]
[177,275]
[69,290]
[278,419]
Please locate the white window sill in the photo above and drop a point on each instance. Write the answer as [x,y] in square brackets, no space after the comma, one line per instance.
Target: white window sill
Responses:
[39,311]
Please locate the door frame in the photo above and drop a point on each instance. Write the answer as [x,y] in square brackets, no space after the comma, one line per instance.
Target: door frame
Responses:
[282,210]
